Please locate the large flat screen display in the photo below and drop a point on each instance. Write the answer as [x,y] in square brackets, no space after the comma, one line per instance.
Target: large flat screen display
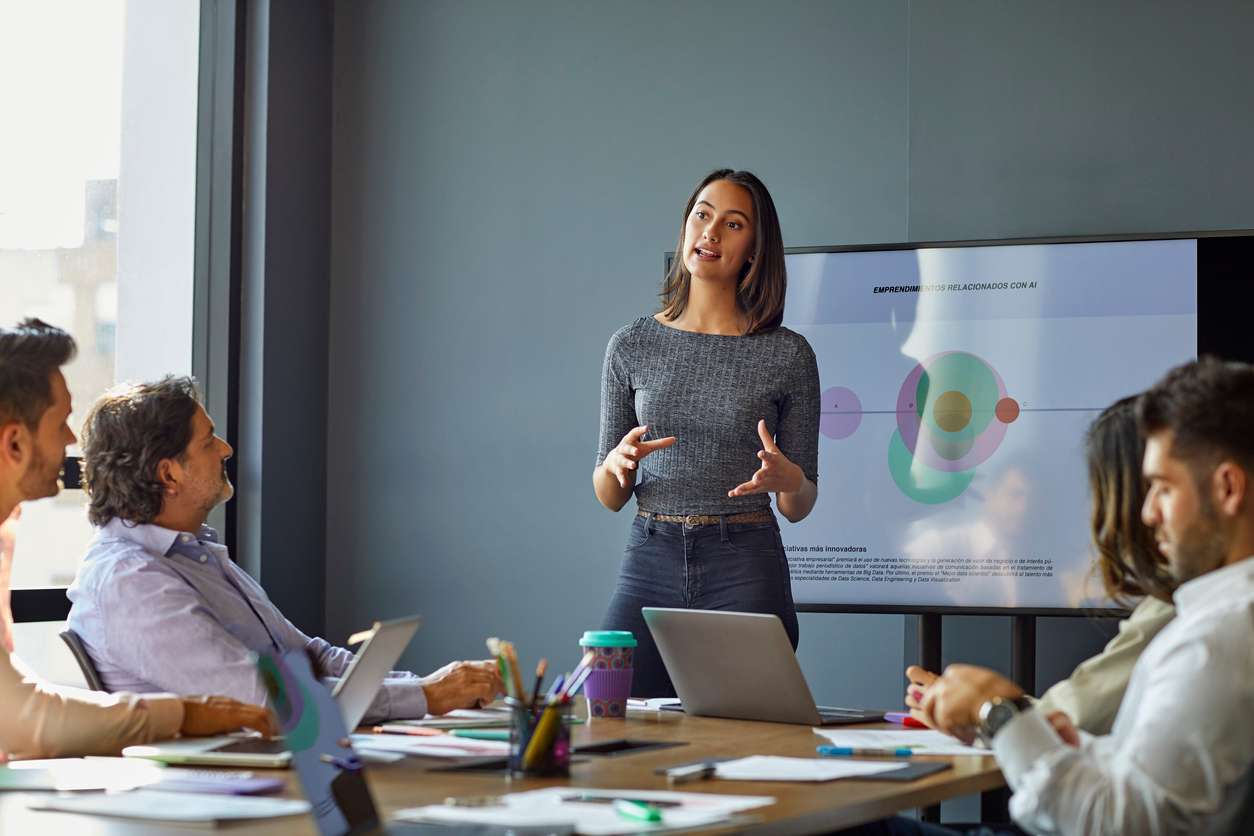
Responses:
[957,384]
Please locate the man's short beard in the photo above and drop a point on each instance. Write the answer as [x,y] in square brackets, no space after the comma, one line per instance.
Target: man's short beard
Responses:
[1203,548]
[36,483]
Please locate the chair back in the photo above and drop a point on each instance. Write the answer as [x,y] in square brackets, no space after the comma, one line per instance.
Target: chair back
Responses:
[75,644]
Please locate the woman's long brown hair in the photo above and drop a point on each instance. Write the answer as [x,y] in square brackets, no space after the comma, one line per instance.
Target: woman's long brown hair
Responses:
[1128,559]
[764,282]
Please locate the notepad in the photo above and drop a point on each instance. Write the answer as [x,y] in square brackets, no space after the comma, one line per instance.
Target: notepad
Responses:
[559,808]
[920,741]
[184,808]
[441,746]
[774,768]
[79,774]
[462,718]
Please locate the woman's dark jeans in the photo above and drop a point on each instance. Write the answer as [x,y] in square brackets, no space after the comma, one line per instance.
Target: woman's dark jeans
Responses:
[730,566]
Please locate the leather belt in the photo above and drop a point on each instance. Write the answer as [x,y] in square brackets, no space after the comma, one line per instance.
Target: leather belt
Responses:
[693,520]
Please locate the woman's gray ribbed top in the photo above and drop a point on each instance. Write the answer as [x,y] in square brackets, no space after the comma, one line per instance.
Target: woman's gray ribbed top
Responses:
[709,392]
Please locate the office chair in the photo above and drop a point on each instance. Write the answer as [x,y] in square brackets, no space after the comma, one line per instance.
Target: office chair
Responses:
[75,645]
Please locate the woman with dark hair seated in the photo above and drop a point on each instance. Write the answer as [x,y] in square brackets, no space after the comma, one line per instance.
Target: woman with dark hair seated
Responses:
[1130,566]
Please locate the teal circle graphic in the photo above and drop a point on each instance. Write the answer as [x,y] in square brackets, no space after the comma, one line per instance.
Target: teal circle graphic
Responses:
[952,414]
[922,483]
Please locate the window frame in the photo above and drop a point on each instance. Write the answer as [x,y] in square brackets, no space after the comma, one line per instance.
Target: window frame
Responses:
[216,260]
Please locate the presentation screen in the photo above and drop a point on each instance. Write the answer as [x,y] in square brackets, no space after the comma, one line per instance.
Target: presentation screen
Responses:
[957,385]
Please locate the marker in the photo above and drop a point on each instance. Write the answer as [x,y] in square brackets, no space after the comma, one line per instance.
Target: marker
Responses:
[481,734]
[854,751]
[637,810]
[903,718]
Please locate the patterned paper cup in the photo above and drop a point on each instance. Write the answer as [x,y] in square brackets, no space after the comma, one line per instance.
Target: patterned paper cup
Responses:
[609,684]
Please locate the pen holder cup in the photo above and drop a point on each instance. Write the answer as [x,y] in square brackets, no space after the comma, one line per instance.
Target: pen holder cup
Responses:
[539,739]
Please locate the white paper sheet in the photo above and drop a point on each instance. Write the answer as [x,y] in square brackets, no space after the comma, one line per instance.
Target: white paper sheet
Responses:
[921,741]
[772,768]
[558,806]
[116,774]
[170,806]
[462,718]
[655,704]
[438,746]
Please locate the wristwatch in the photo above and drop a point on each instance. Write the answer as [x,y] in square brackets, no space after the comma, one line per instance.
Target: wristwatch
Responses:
[999,711]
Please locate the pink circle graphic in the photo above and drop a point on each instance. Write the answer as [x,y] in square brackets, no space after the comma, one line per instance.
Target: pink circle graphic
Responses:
[911,426]
[841,413]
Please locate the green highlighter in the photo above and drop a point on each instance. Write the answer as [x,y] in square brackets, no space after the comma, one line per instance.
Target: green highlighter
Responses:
[637,810]
[481,734]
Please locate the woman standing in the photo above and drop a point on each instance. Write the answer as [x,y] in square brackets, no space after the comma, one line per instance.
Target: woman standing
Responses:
[707,407]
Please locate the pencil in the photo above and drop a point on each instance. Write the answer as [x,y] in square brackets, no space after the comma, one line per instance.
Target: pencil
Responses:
[540,670]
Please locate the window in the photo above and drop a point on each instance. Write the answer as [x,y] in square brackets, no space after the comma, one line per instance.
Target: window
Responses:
[97,210]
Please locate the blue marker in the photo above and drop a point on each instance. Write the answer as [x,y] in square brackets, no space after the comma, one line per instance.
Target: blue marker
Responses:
[852,751]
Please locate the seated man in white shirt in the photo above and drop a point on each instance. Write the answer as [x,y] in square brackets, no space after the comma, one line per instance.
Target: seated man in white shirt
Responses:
[1179,758]
[158,602]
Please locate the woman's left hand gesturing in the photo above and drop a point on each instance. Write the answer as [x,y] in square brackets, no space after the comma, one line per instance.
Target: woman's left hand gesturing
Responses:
[776,475]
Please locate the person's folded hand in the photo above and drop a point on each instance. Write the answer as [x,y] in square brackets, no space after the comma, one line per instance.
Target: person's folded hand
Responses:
[206,716]
[462,685]
[952,703]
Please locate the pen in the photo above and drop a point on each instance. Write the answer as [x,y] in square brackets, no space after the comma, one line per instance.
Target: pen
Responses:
[584,664]
[541,737]
[496,649]
[418,731]
[511,656]
[637,810]
[351,763]
[555,688]
[847,751]
[691,772]
[540,671]
[574,687]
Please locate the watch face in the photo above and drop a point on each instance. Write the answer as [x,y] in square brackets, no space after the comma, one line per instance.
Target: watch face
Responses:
[999,714]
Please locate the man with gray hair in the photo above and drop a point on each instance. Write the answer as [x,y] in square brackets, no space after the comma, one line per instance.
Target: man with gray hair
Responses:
[39,720]
[159,603]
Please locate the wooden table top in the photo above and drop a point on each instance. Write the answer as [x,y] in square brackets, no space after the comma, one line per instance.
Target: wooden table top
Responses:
[799,807]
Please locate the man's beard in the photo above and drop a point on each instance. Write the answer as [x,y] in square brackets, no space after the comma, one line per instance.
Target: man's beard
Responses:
[1202,547]
[42,477]
[225,490]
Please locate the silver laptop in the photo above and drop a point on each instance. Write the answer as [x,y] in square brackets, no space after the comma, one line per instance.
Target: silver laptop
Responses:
[382,645]
[739,665]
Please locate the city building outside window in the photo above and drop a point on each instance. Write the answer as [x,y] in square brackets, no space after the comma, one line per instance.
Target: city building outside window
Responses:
[98,102]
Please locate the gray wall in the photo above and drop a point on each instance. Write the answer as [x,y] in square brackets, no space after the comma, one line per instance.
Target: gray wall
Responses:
[506,177]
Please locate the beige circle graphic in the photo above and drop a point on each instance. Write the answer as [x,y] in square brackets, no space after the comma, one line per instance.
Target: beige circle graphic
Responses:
[952,411]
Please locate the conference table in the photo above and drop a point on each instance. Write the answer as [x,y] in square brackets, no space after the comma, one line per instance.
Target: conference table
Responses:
[799,808]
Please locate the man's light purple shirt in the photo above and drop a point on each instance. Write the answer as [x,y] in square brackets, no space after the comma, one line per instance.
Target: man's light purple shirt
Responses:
[162,610]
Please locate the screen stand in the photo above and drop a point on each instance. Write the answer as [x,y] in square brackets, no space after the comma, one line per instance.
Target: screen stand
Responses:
[928,635]
[1023,651]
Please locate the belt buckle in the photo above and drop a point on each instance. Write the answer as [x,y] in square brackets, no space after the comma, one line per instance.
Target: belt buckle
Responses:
[692,520]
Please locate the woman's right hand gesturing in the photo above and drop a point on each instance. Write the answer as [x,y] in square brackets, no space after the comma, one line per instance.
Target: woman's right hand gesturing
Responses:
[622,461]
